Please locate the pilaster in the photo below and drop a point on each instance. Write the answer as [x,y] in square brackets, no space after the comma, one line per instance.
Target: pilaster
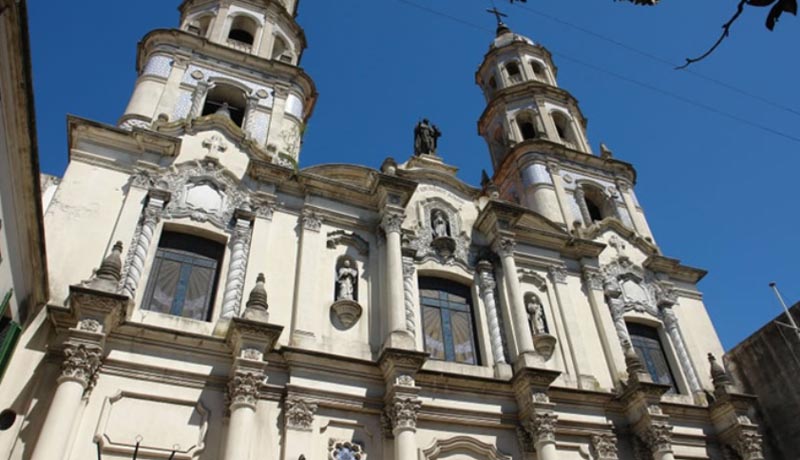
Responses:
[312,243]
[401,400]
[561,194]
[593,281]
[536,413]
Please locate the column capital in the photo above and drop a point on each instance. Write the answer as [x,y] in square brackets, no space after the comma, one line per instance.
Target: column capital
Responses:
[311,220]
[593,278]
[605,446]
[553,168]
[558,274]
[486,280]
[392,219]
[504,246]
[81,362]
[749,445]
[658,437]
[623,184]
[243,388]
[402,412]
[541,426]
[299,413]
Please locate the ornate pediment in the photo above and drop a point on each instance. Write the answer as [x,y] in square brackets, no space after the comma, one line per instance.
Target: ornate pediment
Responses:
[201,190]
[632,288]
[440,234]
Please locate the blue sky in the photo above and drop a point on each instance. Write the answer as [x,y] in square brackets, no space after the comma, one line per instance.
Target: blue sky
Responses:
[719,192]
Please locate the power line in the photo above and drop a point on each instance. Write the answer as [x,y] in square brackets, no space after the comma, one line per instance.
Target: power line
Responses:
[624,78]
[660,60]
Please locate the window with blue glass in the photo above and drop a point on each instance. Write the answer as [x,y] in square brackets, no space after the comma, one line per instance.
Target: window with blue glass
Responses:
[648,346]
[447,321]
[184,276]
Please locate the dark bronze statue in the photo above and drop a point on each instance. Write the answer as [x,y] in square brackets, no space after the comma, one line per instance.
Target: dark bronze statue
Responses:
[426,138]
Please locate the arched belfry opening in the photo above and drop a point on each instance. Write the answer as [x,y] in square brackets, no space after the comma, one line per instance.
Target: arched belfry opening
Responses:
[243,30]
[226,100]
[563,126]
[526,126]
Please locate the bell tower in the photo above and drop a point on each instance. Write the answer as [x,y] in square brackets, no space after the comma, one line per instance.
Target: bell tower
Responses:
[231,60]
[537,140]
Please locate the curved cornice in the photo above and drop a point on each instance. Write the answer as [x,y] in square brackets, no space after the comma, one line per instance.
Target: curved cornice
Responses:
[526,90]
[546,150]
[268,4]
[426,175]
[200,45]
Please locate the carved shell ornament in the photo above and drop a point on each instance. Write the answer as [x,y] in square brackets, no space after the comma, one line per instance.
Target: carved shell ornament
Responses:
[634,288]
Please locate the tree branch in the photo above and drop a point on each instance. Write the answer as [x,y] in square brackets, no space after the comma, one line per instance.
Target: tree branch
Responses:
[726,29]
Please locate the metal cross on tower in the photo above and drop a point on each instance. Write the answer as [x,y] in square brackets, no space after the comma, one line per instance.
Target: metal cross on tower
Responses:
[498,14]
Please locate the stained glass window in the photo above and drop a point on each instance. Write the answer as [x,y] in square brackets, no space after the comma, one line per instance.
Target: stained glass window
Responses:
[184,276]
[447,321]
[650,350]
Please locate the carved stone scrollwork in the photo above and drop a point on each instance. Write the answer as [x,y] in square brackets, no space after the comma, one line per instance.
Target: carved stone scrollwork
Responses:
[243,389]
[525,441]
[748,445]
[658,437]
[89,325]
[299,413]
[605,446]
[402,413]
[542,426]
[593,278]
[404,380]
[81,363]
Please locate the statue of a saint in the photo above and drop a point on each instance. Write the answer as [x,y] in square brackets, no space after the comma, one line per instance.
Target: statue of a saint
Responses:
[536,314]
[439,225]
[426,138]
[346,277]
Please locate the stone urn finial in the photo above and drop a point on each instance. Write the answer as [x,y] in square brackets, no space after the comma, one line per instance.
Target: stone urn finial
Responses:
[722,381]
[107,277]
[256,307]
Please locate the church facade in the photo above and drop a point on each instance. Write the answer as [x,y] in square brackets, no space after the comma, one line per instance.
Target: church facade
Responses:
[209,299]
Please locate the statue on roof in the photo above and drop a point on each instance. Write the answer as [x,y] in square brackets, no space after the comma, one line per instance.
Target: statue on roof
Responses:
[426,138]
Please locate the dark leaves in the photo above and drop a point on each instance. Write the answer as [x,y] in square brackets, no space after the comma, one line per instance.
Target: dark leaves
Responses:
[788,6]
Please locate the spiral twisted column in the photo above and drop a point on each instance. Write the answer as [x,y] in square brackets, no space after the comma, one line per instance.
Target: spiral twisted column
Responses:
[240,250]
[151,216]
[487,287]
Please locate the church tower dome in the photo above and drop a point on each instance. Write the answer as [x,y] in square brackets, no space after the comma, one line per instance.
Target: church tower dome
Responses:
[233,62]
[536,134]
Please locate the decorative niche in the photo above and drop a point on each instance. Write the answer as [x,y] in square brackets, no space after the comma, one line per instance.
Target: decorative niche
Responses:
[439,234]
[346,310]
[543,342]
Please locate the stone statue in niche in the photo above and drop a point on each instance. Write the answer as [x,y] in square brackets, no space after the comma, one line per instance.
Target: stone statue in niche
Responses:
[346,279]
[440,225]
[442,241]
[426,138]
[536,315]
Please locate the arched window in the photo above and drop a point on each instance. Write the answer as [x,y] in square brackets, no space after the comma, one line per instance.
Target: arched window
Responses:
[184,276]
[226,100]
[243,30]
[526,127]
[538,71]
[514,74]
[594,204]
[563,127]
[200,25]
[447,320]
[650,350]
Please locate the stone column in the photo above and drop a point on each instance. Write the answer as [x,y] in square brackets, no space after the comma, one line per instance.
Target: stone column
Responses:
[298,417]
[402,413]
[305,322]
[240,248]
[274,142]
[198,99]
[580,197]
[504,247]
[151,215]
[243,390]
[569,316]
[636,218]
[220,22]
[250,116]
[561,194]
[172,89]
[397,334]
[408,295]
[675,335]
[249,340]
[593,281]
[82,359]
[658,438]
[542,429]
[486,286]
